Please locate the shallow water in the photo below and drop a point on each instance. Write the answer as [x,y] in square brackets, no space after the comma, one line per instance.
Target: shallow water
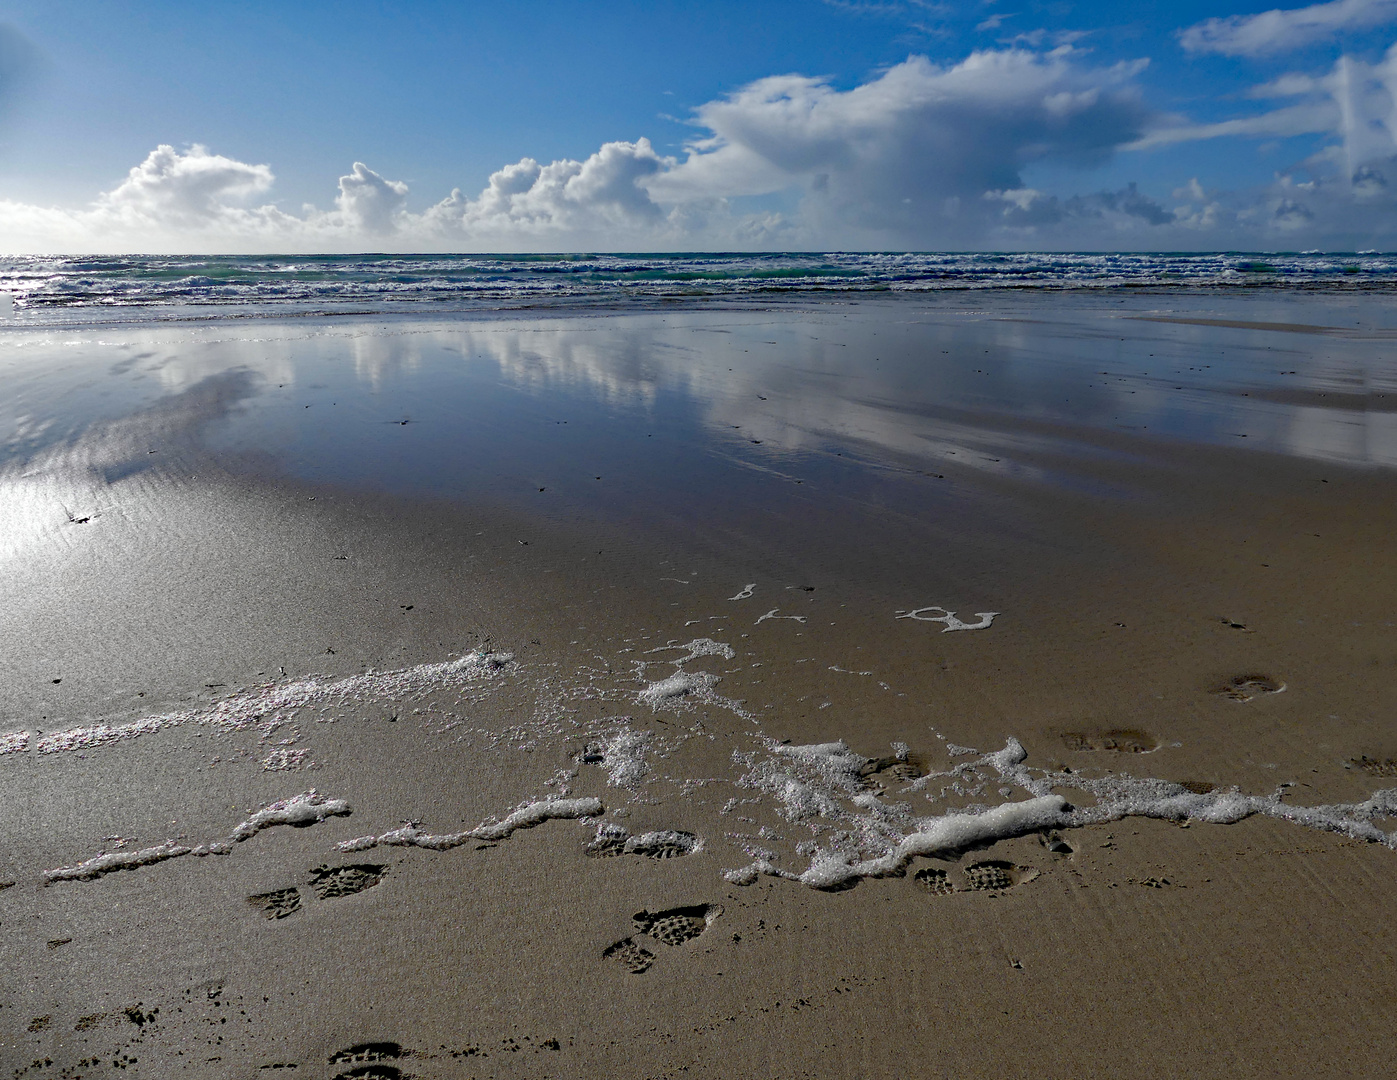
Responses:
[685,402]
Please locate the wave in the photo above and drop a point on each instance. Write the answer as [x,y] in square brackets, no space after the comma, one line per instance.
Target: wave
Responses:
[45,285]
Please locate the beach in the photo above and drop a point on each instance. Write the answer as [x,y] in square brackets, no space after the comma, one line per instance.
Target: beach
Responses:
[983,683]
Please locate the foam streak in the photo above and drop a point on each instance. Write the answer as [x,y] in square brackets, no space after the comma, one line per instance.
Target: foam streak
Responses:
[526,817]
[244,710]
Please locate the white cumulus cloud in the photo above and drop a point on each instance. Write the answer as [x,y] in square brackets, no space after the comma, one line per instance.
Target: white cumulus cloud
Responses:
[592,197]
[368,202]
[921,155]
[1285,30]
[190,187]
[901,159]
[911,151]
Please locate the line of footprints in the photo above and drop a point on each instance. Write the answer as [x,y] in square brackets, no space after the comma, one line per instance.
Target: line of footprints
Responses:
[675,926]
[672,927]
[327,882]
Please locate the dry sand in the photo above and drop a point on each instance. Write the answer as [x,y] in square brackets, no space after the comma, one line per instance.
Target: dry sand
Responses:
[247,621]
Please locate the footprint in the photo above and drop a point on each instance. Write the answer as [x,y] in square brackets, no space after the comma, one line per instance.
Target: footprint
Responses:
[675,926]
[330,882]
[633,957]
[1117,740]
[278,903]
[368,1059]
[888,769]
[613,840]
[663,845]
[1375,767]
[604,848]
[934,881]
[997,876]
[1246,687]
[610,841]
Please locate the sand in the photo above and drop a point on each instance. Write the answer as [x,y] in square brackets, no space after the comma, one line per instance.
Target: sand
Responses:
[536,696]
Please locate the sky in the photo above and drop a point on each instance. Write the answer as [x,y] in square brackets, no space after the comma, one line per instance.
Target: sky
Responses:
[662,126]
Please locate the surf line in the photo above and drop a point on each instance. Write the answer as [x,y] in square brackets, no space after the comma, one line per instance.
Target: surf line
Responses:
[948,618]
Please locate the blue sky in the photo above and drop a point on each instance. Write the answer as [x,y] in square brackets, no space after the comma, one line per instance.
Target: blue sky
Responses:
[897,124]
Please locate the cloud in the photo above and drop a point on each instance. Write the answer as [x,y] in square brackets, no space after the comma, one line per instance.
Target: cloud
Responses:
[1310,118]
[188,188]
[901,159]
[1279,31]
[920,155]
[1342,195]
[195,195]
[1355,103]
[912,150]
[603,193]
[1126,208]
[370,203]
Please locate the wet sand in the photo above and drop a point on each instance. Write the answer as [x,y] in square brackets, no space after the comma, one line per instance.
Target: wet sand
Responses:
[437,572]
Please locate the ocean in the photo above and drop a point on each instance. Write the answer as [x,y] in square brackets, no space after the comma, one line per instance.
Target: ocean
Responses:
[48,289]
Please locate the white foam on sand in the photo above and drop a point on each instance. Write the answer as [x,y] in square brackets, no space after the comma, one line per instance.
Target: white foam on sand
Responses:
[16,742]
[663,841]
[307,808]
[948,618]
[276,702]
[696,648]
[118,860]
[683,686]
[623,757]
[850,817]
[947,834]
[680,684]
[808,781]
[526,817]
[820,786]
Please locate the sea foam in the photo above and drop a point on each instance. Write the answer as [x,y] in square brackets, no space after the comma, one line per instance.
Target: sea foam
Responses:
[821,785]
[280,701]
[307,808]
[526,817]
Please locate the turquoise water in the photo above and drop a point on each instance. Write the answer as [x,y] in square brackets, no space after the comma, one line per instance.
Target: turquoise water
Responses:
[49,288]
